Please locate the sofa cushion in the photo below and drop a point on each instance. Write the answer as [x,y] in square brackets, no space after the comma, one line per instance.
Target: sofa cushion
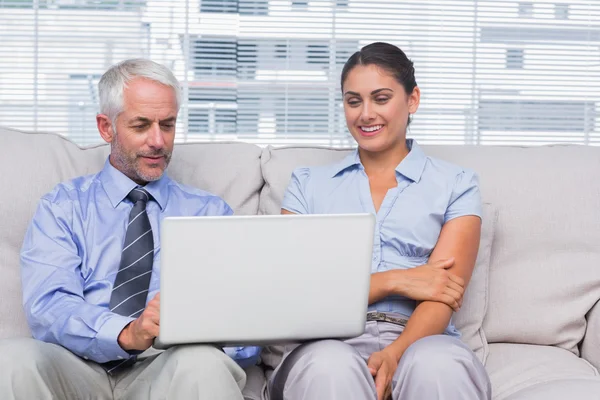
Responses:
[256,384]
[229,170]
[573,388]
[590,348]
[33,163]
[469,319]
[277,167]
[544,275]
[520,370]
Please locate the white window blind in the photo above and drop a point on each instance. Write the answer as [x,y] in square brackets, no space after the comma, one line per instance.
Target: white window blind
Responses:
[267,71]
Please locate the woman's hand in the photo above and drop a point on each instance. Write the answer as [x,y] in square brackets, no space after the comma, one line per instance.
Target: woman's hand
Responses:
[429,282]
[383,365]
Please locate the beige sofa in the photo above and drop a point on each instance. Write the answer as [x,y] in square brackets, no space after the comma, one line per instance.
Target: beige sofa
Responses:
[531,312]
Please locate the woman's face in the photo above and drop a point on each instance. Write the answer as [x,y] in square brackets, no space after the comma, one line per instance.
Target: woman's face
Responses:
[377,108]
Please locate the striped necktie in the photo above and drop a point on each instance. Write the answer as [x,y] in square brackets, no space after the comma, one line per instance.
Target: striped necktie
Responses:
[132,282]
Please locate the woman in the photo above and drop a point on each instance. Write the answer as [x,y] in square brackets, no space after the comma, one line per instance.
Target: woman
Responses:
[425,245]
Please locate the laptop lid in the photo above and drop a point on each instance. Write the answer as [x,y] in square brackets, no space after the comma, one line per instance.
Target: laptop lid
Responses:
[240,280]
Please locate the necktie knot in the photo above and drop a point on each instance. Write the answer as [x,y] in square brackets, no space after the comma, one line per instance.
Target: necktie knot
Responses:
[138,194]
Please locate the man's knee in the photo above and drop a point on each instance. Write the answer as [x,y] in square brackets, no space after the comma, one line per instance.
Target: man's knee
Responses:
[196,354]
[32,369]
[207,361]
[189,371]
[23,354]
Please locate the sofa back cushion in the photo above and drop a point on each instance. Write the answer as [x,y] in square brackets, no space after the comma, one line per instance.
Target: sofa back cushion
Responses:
[545,271]
[33,163]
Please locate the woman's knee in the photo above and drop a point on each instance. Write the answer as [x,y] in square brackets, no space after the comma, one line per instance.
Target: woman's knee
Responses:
[443,363]
[323,356]
[326,366]
[440,359]
[438,353]
[321,360]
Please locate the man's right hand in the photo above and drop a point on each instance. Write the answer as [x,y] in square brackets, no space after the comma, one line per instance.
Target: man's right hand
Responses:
[139,334]
[429,282]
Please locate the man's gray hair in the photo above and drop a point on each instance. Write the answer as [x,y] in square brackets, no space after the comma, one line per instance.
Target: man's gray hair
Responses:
[115,80]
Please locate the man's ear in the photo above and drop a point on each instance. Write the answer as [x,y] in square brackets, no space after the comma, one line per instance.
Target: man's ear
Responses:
[105,127]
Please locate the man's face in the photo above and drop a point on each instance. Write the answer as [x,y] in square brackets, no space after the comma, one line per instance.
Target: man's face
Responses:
[142,145]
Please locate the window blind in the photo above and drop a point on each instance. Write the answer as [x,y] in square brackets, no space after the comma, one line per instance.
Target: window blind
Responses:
[267,71]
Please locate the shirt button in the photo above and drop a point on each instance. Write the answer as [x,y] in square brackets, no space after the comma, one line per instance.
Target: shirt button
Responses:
[85,357]
[120,357]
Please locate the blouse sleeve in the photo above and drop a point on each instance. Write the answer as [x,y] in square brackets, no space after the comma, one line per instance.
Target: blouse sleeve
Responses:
[465,198]
[295,198]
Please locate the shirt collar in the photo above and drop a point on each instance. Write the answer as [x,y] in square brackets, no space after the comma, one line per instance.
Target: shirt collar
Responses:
[414,163]
[350,160]
[117,186]
[411,167]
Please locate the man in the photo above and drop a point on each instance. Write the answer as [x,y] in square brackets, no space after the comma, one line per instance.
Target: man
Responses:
[90,265]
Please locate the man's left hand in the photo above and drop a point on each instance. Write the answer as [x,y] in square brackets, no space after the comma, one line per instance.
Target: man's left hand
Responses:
[383,365]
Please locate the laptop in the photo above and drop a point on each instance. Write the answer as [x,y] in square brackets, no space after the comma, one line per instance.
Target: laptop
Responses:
[244,280]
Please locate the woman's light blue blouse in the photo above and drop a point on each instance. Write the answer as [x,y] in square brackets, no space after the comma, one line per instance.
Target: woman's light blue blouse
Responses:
[430,192]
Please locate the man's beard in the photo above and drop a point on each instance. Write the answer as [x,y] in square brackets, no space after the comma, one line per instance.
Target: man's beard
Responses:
[127,162]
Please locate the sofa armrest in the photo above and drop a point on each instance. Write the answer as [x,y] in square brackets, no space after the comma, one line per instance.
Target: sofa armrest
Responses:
[590,348]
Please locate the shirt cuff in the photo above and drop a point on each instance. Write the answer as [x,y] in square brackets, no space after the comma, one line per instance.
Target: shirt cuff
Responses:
[107,337]
[244,356]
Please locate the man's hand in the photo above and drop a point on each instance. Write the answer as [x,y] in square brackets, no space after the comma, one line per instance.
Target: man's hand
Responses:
[140,333]
[429,282]
[383,365]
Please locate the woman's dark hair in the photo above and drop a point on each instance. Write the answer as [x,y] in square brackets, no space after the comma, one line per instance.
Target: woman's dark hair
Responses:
[386,56]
